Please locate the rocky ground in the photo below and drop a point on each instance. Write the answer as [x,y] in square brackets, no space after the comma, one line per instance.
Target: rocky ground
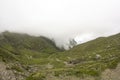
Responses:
[111,74]
[8,74]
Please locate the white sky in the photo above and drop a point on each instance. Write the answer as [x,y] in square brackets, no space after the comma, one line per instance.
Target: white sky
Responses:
[61,19]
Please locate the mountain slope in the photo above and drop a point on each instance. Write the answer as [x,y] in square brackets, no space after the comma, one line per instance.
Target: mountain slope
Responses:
[14,45]
[40,59]
[93,57]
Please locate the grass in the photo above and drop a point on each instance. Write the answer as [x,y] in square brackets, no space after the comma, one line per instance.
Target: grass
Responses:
[80,61]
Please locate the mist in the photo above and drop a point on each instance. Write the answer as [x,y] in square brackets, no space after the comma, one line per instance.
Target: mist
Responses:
[61,20]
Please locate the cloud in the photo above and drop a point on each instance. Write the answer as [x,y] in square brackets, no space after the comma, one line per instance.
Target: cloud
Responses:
[61,19]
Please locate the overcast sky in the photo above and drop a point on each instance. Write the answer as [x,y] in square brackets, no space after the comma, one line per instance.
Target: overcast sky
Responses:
[61,19]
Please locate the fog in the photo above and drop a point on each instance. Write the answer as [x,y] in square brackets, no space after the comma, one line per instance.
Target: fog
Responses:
[62,20]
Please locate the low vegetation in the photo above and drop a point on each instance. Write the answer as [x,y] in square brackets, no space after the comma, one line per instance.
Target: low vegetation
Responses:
[41,58]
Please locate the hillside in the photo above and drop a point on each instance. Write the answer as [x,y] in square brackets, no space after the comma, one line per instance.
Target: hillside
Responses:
[38,58]
[14,46]
[93,57]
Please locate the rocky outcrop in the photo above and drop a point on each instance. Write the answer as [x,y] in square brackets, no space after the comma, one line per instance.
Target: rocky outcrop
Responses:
[15,71]
[6,74]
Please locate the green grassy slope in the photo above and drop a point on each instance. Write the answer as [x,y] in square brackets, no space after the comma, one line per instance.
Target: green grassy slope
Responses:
[90,58]
[14,46]
[87,59]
